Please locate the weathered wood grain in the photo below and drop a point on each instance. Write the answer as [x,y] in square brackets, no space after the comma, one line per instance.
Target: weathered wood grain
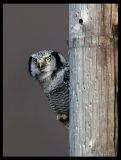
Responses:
[92,85]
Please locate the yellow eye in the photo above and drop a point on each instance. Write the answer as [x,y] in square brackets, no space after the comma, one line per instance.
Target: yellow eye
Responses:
[48,59]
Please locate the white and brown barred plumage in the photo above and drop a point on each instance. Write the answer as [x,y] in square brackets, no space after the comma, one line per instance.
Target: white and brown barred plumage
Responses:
[52,71]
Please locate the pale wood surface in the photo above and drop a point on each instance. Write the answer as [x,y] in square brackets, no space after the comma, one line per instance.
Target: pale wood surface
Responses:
[92,85]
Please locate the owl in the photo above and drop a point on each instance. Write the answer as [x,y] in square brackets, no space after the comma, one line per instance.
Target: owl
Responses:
[51,70]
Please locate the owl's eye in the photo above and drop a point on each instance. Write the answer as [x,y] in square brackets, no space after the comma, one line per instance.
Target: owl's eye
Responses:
[35,60]
[48,59]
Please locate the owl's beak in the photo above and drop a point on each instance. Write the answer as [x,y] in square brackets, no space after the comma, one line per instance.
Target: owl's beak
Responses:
[40,65]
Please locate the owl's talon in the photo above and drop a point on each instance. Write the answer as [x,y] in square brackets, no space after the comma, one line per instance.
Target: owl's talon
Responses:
[61,116]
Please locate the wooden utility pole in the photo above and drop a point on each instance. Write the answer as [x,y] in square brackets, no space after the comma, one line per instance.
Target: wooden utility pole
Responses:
[93,112]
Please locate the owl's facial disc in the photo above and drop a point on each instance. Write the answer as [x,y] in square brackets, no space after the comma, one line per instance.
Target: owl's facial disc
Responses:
[40,67]
[45,63]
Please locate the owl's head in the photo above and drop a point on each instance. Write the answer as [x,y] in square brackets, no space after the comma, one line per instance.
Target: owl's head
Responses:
[43,63]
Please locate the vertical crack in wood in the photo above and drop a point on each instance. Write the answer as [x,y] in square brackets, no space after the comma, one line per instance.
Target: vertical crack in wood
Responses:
[116,99]
[107,107]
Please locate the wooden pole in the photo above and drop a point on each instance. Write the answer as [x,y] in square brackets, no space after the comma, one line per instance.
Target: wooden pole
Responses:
[93,114]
